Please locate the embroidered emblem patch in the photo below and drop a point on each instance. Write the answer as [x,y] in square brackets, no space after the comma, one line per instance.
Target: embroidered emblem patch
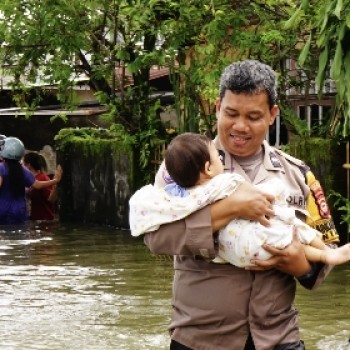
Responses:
[320,199]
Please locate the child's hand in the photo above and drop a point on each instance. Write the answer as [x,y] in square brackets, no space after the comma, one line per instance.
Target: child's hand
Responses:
[58,173]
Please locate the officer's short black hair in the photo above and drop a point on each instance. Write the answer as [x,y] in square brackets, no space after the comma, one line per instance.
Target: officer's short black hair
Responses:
[249,77]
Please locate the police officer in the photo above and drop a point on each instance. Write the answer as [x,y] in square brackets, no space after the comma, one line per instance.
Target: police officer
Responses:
[223,307]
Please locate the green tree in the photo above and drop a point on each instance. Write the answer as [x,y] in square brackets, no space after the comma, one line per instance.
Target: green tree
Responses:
[222,32]
[57,41]
[328,24]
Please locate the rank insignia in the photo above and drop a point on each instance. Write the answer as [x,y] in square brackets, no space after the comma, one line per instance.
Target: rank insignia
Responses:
[274,160]
[222,156]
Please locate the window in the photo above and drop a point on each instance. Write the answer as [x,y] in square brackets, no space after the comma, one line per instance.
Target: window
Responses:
[314,115]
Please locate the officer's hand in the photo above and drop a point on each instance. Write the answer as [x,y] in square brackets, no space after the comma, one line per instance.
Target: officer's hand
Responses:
[246,202]
[253,204]
[291,260]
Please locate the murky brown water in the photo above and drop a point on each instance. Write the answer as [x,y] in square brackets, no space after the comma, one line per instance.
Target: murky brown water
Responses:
[325,312]
[97,288]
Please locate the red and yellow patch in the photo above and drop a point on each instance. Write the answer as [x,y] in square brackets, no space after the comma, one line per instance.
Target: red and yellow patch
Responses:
[317,206]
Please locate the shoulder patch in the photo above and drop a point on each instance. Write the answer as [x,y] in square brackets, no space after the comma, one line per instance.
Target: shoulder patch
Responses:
[291,159]
[317,203]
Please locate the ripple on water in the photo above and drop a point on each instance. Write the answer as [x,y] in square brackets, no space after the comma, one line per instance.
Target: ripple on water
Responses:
[85,288]
[97,288]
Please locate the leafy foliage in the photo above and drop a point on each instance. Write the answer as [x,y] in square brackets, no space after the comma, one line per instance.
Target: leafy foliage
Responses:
[328,23]
[62,42]
[343,205]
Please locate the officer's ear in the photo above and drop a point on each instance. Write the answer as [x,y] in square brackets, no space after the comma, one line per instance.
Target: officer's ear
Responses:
[273,114]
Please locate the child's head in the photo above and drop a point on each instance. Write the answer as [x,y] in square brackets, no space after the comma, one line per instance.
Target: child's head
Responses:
[35,161]
[190,156]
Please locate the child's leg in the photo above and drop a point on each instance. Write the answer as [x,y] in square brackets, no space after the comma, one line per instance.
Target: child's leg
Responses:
[314,254]
[327,255]
[318,243]
[314,249]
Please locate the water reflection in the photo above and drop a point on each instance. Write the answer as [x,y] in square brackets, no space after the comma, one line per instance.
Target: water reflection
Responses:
[88,288]
[325,312]
[94,288]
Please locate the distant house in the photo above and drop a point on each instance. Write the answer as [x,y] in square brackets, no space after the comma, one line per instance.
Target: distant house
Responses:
[43,124]
[305,103]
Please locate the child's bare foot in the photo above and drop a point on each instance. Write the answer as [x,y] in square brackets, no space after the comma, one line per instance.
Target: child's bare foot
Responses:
[336,256]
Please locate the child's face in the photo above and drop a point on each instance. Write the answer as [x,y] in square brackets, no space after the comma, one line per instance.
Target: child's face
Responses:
[216,166]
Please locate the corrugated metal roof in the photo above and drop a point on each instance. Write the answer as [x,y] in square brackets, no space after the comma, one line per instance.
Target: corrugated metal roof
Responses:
[155,73]
[85,111]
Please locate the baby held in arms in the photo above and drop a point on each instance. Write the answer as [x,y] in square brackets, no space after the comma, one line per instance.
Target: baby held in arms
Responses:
[193,177]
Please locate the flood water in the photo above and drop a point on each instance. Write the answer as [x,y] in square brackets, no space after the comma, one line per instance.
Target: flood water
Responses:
[97,288]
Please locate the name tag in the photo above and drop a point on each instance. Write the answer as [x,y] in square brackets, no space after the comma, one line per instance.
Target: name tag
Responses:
[296,200]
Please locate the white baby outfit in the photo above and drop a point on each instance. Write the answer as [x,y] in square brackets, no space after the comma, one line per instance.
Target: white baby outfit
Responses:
[152,206]
[241,240]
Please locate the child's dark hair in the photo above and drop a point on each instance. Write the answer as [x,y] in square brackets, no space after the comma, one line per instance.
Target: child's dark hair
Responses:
[186,156]
[36,160]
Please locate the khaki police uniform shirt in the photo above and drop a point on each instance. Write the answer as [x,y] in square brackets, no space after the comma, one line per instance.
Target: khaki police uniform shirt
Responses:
[215,306]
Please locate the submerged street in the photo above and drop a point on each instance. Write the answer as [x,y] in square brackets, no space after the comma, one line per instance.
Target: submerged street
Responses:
[97,288]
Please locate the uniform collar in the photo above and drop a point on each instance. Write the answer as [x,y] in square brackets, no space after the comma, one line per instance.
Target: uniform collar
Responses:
[271,160]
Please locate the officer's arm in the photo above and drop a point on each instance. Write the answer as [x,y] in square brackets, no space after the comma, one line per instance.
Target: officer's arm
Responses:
[195,235]
[246,202]
[190,236]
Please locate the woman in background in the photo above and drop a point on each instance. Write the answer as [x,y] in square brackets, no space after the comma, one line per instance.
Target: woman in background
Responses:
[42,201]
[14,179]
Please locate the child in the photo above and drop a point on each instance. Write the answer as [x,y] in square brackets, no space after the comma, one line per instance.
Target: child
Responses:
[195,175]
[42,201]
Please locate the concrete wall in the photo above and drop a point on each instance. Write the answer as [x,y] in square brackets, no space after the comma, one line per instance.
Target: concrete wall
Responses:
[96,185]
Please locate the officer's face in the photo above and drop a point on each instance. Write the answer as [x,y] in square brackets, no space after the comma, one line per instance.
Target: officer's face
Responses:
[243,122]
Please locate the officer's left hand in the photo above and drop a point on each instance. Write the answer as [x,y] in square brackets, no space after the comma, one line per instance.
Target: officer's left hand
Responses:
[291,260]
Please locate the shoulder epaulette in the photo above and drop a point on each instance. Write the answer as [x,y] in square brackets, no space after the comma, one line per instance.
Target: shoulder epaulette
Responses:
[299,163]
